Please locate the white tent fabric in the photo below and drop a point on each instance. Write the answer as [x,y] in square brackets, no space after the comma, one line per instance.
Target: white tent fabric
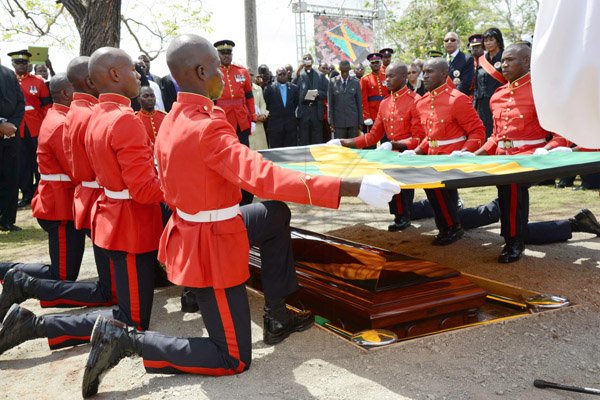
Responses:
[565,69]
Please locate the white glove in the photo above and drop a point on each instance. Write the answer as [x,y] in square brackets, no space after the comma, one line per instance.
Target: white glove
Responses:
[252,127]
[540,151]
[408,153]
[385,146]
[334,142]
[368,122]
[561,149]
[377,191]
[459,153]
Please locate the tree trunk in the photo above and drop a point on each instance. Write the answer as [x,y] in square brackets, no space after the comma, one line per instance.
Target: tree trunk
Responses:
[98,23]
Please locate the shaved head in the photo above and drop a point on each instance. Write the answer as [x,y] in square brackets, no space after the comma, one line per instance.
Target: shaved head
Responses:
[113,71]
[79,75]
[516,60]
[194,63]
[395,76]
[435,72]
[399,66]
[61,89]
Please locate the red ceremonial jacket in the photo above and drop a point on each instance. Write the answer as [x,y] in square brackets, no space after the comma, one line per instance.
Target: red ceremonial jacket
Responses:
[237,99]
[121,156]
[449,114]
[76,125]
[202,167]
[398,118]
[37,103]
[152,121]
[515,118]
[53,200]
[373,92]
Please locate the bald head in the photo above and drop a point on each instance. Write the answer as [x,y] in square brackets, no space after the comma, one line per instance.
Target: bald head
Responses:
[194,63]
[61,89]
[113,71]
[435,72]
[395,76]
[515,61]
[78,74]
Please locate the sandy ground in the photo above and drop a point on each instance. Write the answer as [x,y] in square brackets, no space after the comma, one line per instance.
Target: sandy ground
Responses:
[498,361]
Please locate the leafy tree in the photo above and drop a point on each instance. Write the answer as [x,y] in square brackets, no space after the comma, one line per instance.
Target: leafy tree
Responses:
[98,22]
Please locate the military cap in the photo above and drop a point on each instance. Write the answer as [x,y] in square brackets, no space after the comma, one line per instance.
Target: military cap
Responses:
[434,53]
[476,39]
[222,45]
[374,57]
[20,55]
[387,52]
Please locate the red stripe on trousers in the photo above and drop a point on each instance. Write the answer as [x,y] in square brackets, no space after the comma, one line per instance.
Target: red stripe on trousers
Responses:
[399,208]
[193,370]
[64,302]
[61,339]
[228,326]
[113,288]
[62,250]
[442,203]
[134,292]
[513,209]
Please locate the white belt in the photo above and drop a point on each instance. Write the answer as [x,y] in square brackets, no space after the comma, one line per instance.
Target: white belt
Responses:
[438,143]
[29,108]
[221,214]
[55,177]
[90,184]
[121,195]
[509,144]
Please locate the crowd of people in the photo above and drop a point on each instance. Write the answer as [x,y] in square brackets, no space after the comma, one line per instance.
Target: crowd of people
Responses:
[177,186]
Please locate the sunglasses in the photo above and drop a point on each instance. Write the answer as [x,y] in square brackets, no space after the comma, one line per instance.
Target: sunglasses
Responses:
[20,62]
[376,62]
[449,40]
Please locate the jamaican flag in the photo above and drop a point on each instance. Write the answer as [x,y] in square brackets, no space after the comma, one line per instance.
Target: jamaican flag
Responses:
[412,172]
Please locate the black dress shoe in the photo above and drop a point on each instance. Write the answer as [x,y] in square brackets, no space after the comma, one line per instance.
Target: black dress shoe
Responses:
[577,188]
[279,324]
[399,224]
[585,221]
[449,236]
[9,228]
[511,252]
[19,326]
[17,287]
[563,184]
[189,303]
[111,342]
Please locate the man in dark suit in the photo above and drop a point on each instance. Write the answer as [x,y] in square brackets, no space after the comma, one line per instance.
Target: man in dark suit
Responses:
[311,108]
[460,71]
[344,101]
[282,100]
[169,90]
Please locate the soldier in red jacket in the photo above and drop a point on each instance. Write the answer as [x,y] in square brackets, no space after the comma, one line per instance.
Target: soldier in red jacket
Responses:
[373,89]
[37,103]
[126,219]
[517,130]
[237,99]
[39,281]
[399,119]
[151,118]
[451,124]
[205,245]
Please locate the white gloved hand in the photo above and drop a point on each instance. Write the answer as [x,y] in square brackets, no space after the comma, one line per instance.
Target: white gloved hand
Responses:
[368,122]
[408,153]
[385,146]
[561,149]
[460,153]
[252,127]
[334,142]
[456,153]
[377,191]
[540,151]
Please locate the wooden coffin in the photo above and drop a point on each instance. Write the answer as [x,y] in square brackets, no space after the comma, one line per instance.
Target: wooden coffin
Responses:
[359,287]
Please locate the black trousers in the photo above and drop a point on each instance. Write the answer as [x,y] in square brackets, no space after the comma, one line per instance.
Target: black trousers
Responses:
[244,138]
[311,127]
[29,176]
[403,205]
[346,133]
[66,246]
[285,135]
[445,207]
[9,180]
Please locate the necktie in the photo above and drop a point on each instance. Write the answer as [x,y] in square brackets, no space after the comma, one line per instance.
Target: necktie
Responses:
[344,84]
